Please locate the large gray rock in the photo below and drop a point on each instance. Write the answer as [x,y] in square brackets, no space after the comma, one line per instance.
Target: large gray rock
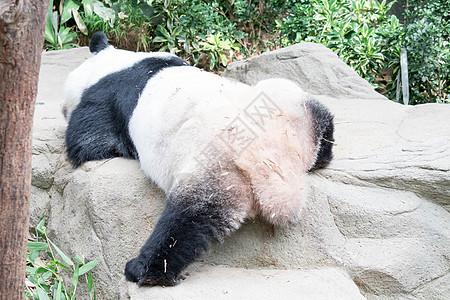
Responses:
[313,66]
[378,215]
[49,124]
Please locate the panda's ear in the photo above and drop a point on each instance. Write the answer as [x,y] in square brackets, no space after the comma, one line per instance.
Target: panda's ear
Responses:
[99,41]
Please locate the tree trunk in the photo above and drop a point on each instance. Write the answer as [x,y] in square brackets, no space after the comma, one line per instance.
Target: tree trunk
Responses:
[21,39]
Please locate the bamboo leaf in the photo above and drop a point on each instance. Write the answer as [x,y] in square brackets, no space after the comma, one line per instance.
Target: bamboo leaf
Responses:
[89,282]
[89,266]
[79,259]
[63,256]
[76,274]
[58,291]
[41,293]
[37,246]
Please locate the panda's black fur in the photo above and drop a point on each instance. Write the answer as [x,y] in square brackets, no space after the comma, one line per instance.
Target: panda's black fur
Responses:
[182,233]
[98,126]
[324,129]
[199,208]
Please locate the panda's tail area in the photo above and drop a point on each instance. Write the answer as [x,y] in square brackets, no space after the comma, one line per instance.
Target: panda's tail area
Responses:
[194,215]
[98,42]
[324,133]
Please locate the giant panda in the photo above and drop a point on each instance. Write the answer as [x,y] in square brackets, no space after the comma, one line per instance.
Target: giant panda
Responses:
[222,151]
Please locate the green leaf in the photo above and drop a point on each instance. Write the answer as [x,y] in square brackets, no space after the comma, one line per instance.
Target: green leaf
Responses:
[65,35]
[87,267]
[163,32]
[54,262]
[187,48]
[44,277]
[50,34]
[33,255]
[40,228]
[176,31]
[169,24]
[63,256]
[89,282]
[67,10]
[41,270]
[76,274]
[159,39]
[88,7]
[79,259]
[106,13]
[41,293]
[37,246]
[223,59]
[212,62]
[79,21]
[58,291]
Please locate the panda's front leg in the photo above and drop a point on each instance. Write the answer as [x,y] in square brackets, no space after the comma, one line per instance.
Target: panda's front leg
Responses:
[192,217]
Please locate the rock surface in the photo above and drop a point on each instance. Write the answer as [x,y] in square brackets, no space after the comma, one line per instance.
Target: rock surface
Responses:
[314,67]
[376,223]
[219,282]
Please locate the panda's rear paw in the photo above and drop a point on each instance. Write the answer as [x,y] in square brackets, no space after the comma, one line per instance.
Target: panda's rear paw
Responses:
[137,270]
[134,270]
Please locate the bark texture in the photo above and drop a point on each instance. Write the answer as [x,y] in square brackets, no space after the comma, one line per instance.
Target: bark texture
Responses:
[21,37]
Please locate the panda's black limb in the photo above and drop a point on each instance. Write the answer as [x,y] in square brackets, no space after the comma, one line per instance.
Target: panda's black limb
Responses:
[193,216]
[98,127]
[324,130]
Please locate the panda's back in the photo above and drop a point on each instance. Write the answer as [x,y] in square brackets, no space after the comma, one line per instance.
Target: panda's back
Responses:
[180,112]
[185,112]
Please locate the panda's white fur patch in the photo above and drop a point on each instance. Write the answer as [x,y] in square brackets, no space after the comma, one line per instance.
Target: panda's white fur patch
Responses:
[96,67]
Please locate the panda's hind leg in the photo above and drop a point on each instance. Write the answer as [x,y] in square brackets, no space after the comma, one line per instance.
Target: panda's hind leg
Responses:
[196,212]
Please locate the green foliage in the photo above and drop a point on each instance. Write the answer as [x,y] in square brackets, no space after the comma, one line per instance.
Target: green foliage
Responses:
[44,277]
[357,30]
[427,36]
[220,51]
[131,28]
[369,40]
[360,32]
[60,36]
[191,27]
[57,36]
[300,23]
[169,32]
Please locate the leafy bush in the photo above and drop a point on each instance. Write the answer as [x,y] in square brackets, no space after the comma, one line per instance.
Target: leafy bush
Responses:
[132,28]
[369,40]
[44,275]
[57,36]
[60,36]
[360,32]
[220,50]
[192,27]
[427,36]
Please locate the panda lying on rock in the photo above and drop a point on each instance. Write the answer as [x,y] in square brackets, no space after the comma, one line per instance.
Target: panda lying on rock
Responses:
[222,151]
